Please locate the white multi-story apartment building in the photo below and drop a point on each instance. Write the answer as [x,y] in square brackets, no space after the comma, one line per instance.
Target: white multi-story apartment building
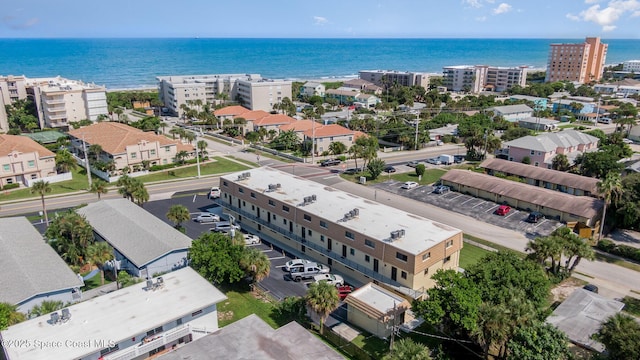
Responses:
[311,88]
[386,78]
[631,66]
[251,90]
[362,239]
[12,89]
[482,77]
[61,102]
[580,63]
[135,322]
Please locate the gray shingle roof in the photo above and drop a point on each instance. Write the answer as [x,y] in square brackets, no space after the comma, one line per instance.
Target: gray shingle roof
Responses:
[583,206]
[133,231]
[534,172]
[551,141]
[512,109]
[581,316]
[28,265]
[252,338]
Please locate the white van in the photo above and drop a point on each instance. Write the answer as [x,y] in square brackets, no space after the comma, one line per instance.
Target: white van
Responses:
[214,193]
[604,120]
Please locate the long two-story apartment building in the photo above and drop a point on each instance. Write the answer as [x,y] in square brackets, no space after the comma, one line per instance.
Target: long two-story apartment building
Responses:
[543,148]
[22,159]
[362,239]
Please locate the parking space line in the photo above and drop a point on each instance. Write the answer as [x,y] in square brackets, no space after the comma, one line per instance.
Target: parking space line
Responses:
[278,258]
[540,223]
[508,216]
[493,207]
[480,203]
[457,197]
[466,201]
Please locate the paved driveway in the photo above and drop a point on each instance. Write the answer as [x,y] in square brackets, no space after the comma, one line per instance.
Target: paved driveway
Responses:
[477,208]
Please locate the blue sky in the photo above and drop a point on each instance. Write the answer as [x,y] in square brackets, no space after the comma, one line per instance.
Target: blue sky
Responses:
[321,19]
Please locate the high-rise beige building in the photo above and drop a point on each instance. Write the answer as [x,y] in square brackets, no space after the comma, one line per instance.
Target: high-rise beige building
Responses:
[580,63]
[385,78]
[12,89]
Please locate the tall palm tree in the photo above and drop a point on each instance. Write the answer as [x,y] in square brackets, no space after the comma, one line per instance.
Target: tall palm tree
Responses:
[94,151]
[256,264]
[126,186]
[543,248]
[41,188]
[9,315]
[140,193]
[492,329]
[202,147]
[323,298]
[181,156]
[65,161]
[610,189]
[178,213]
[99,187]
[99,253]
[337,148]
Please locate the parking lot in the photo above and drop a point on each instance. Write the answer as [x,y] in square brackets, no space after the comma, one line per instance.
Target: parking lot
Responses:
[474,207]
[278,283]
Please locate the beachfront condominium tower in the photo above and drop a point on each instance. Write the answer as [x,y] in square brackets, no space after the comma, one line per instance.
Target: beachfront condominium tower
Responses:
[482,77]
[12,89]
[386,78]
[581,63]
[251,90]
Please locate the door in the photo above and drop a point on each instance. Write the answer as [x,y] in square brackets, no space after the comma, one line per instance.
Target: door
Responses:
[344,251]
[269,217]
[304,233]
[375,265]
[258,212]
[394,273]
[329,241]
[290,226]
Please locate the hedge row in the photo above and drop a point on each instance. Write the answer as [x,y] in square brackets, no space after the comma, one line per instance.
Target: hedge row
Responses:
[624,251]
[173,165]
[10,186]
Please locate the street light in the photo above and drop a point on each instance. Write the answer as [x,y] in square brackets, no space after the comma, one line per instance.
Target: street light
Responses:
[86,160]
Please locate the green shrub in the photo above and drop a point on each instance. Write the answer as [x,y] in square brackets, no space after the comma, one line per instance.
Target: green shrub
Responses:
[11,186]
[342,158]
[625,251]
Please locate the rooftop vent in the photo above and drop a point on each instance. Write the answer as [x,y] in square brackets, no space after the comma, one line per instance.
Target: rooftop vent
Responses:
[151,286]
[351,214]
[274,187]
[397,234]
[309,200]
[244,175]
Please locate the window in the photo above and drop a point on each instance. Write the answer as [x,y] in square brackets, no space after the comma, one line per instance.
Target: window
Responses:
[34,176]
[253,207]
[152,151]
[401,256]
[426,256]
[253,195]
[6,167]
[134,155]
[167,149]
[352,251]
[349,235]
[447,259]
[241,190]
[272,203]
[532,152]
[403,274]
[309,232]
[307,217]
[194,314]
[367,258]
[536,163]
[109,350]
[284,221]
[179,322]
[323,224]
[369,243]
[224,183]
[31,163]
[426,271]
[273,216]
[449,243]
[321,238]
[285,208]
[244,203]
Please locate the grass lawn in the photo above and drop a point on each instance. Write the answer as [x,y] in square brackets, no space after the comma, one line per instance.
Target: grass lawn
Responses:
[249,163]
[625,264]
[372,344]
[219,166]
[94,282]
[631,305]
[430,176]
[471,254]
[490,244]
[77,183]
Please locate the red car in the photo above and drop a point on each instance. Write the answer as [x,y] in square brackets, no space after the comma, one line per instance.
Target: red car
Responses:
[344,290]
[503,210]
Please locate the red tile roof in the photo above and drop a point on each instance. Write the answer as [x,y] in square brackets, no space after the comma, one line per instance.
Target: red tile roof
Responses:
[114,137]
[234,110]
[328,130]
[299,125]
[23,144]
[274,119]
[253,115]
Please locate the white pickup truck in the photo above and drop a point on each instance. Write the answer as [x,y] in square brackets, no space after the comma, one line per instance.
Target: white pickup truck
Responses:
[308,271]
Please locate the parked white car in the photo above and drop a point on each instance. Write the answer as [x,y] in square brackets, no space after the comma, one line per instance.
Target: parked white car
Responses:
[207,218]
[250,239]
[336,280]
[434,161]
[409,185]
[295,263]
[214,193]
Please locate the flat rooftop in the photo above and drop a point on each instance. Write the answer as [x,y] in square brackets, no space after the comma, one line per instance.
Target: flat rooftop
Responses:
[116,316]
[375,301]
[375,220]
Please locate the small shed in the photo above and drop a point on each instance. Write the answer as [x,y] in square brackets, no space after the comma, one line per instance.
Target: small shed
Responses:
[376,309]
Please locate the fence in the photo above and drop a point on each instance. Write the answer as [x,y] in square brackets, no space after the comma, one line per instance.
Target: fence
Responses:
[278,153]
[50,179]
[345,345]
[226,138]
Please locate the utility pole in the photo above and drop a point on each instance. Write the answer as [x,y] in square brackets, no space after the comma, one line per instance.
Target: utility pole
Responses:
[197,157]
[416,141]
[86,160]
[313,141]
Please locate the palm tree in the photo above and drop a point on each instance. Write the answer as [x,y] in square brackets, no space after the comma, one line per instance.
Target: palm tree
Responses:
[126,186]
[323,298]
[99,253]
[190,137]
[9,315]
[140,193]
[181,156]
[543,248]
[337,148]
[65,161]
[256,264]
[407,349]
[41,188]
[610,189]
[118,111]
[178,214]
[94,151]
[560,162]
[202,147]
[45,307]
[617,334]
[99,187]
[492,327]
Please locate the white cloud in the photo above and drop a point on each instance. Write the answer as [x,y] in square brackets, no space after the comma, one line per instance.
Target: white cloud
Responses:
[481,18]
[502,8]
[607,16]
[591,1]
[319,20]
[473,3]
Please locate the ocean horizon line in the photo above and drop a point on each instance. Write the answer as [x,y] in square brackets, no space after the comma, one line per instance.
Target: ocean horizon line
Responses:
[196,37]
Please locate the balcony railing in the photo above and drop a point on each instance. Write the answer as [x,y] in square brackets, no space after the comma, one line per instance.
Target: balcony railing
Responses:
[146,346]
[54,101]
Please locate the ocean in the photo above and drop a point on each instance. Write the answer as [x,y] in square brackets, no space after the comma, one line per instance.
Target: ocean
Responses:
[134,63]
